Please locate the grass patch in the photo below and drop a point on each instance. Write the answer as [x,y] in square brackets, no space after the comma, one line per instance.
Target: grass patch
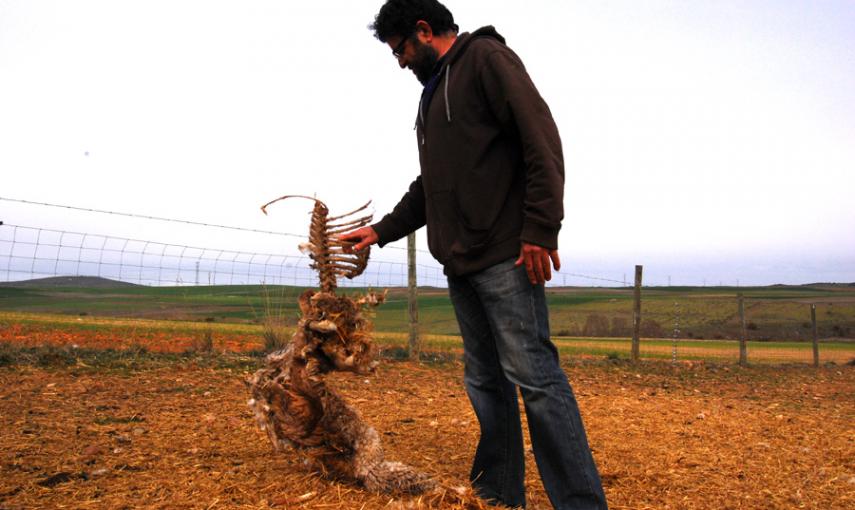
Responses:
[122,360]
[398,353]
[204,343]
[275,337]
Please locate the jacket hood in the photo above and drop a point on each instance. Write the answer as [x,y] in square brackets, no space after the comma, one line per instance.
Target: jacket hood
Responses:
[466,38]
[457,49]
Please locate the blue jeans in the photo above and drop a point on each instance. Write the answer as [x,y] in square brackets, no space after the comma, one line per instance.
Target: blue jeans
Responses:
[505,327]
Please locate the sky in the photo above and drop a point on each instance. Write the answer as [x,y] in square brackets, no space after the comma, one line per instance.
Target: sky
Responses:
[710,141]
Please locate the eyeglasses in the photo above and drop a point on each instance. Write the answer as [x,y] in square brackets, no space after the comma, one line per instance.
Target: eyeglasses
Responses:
[398,51]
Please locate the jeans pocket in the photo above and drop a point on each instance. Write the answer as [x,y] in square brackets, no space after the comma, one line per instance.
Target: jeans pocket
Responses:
[501,277]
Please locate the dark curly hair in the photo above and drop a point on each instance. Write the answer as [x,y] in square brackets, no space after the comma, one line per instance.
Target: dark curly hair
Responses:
[399,17]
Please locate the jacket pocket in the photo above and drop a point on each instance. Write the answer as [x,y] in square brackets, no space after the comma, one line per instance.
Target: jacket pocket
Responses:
[440,210]
[449,235]
[470,241]
[482,192]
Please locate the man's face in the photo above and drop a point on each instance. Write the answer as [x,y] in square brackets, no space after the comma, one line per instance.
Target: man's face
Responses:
[417,56]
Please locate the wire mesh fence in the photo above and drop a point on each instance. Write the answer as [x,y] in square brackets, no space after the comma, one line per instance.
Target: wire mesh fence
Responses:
[706,326]
[31,252]
[697,326]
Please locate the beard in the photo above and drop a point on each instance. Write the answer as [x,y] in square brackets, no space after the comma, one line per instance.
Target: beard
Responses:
[424,61]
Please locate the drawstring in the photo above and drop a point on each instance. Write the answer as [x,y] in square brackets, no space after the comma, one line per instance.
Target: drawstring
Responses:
[422,119]
[447,106]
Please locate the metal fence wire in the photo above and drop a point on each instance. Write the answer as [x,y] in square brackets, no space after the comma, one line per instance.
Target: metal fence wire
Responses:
[31,252]
[703,328]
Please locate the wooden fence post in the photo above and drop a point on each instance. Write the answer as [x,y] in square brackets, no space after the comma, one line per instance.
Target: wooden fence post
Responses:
[743,349]
[815,336]
[412,298]
[636,314]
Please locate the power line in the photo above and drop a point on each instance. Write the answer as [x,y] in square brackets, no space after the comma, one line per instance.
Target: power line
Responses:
[146,217]
[170,220]
[592,277]
[159,243]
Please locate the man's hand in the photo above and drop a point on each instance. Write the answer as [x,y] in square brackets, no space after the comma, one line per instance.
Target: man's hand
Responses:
[363,237]
[536,259]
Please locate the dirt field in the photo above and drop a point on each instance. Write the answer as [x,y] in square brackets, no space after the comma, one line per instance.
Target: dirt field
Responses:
[179,435]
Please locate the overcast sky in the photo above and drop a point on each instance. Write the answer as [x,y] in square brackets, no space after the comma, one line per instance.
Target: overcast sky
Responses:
[708,140]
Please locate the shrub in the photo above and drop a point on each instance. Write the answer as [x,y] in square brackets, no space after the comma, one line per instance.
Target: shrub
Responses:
[7,354]
[50,356]
[596,325]
[620,327]
[135,350]
[651,329]
[203,344]
[275,336]
[839,330]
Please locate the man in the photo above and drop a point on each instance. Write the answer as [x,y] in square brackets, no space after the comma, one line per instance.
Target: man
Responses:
[490,193]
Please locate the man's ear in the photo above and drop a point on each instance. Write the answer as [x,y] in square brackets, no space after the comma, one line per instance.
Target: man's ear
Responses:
[424,31]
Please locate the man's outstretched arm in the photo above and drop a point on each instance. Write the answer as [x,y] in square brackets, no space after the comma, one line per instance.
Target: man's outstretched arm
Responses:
[408,216]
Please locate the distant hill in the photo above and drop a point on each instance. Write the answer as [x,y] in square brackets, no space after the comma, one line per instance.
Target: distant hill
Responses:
[70,281]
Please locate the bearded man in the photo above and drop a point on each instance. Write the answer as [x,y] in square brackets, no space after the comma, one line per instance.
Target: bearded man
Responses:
[491,195]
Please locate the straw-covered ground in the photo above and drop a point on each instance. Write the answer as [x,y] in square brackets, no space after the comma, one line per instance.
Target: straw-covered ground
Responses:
[174,431]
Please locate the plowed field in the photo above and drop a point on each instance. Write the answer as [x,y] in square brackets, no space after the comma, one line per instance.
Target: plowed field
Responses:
[179,435]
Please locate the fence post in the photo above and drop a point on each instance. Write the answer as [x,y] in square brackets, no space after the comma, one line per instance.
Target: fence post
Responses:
[815,336]
[412,298]
[636,314]
[743,351]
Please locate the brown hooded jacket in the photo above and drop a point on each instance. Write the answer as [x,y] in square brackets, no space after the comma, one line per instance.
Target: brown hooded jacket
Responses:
[492,170]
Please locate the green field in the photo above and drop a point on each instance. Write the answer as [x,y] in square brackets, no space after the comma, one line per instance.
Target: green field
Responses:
[772,313]
[589,321]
